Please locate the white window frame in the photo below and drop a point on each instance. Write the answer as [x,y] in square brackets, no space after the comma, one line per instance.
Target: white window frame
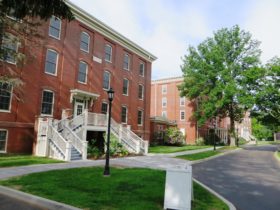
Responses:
[142,112]
[123,106]
[127,86]
[59,27]
[10,105]
[164,89]
[87,43]
[182,111]
[86,72]
[164,102]
[6,140]
[6,38]
[104,102]
[128,62]
[46,90]
[56,62]
[111,53]
[143,74]
[142,95]
[182,101]
[109,80]
[164,114]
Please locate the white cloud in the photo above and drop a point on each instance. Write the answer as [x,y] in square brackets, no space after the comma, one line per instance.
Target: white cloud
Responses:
[263,23]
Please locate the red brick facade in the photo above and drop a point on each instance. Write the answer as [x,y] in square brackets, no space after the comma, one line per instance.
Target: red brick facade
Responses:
[19,121]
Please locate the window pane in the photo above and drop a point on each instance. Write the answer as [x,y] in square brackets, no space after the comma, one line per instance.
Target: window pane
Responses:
[104,108]
[140,91]
[84,45]
[3,138]
[51,62]
[141,70]
[108,52]
[126,61]
[125,86]
[54,29]
[5,96]
[124,113]
[47,102]
[106,80]
[140,114]
[82,76]
[9,48]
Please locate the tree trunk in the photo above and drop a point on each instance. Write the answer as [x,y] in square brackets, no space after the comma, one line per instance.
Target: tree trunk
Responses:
[232,129]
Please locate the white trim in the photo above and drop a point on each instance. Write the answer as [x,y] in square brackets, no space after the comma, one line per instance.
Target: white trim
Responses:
[58,38]
[109,80]
[142,63]
[111,54]
[46,90]
[164,115]
[6,140]
[56,62]
[182,99]
[127,86]
[87,51]
[182,111]
[10,105]
[104,102]
[86,72]
[142,97]
[125,114]
[167,80]
[142,111]
[162,101]
[128,62]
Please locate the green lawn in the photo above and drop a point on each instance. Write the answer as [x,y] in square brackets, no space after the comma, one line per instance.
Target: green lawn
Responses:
[171,149]
[278,153]
[200,155]
[260,143]
[125,189]
[8,160]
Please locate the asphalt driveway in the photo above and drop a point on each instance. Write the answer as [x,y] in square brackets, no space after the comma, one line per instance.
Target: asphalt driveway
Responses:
[249,178]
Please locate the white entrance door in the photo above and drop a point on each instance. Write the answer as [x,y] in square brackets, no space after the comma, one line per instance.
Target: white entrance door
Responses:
[79,108]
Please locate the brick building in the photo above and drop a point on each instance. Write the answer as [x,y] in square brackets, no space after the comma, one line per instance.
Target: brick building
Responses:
[74,67]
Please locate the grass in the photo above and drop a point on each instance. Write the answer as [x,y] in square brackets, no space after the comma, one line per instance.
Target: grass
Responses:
[129,188]
[9,160]
[278,153]
[260,143]
[171,149]
[200,155]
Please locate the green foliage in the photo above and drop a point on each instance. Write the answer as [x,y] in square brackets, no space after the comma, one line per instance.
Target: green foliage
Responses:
[200,155]
[94,152]
[221,74]
[174,136]
[200,141]
[116,148]
[172,149]
[260,131]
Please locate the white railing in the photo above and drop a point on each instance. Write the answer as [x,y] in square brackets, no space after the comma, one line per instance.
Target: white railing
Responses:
[77,121]
[95,119]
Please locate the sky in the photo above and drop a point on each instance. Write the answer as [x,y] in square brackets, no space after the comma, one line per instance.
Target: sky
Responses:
[166,28]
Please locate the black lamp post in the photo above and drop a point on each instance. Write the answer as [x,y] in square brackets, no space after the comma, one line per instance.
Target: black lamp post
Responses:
[107,168]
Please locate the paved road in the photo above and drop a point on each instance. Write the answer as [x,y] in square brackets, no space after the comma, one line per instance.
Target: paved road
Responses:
[8,203]
[249,178]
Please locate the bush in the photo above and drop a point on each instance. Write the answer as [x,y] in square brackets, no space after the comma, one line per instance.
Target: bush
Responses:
[200,141]
[116,148]
[94,152]
[174,137]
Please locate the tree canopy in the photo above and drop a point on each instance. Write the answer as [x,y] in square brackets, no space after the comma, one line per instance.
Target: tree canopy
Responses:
[222,74]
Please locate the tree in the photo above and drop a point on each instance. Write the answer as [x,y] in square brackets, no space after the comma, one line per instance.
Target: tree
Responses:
[222,74]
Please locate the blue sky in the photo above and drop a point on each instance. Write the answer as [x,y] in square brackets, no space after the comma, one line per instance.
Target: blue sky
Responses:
[167,27]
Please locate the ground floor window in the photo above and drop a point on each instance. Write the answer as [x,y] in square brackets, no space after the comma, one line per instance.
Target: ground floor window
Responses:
[140,117]
[124,114]
[5,96]
[104,108]
[3,140]
[47,102]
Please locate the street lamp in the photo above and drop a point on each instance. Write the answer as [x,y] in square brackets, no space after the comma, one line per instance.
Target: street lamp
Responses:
[107,168]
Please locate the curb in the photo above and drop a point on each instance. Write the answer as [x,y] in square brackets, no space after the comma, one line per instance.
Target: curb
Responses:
[215,156]
[230,205]
[35,200]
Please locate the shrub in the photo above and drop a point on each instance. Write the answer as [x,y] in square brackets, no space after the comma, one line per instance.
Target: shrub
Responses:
[174,136]
[94,152]
[200,141]
[116,148]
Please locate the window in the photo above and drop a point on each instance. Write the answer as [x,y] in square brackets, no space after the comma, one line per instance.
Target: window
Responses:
[82,76]
[182,101]
[164,89]
[106,80]
[55,26]
[125,86]
[85,39]
[5,96]
[164,102]
[108,53]
[126,61]
[124,114]
[104,108]
[47,102]
[51,62]
[140,117]
[141,92]
[3,140]
[142,69]
[182,115]
[9,48]
[164,114]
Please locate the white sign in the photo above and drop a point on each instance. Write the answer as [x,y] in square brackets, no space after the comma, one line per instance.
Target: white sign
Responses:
[96,59]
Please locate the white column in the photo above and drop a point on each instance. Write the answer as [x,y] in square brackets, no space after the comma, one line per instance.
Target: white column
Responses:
[68,151]
[85,145]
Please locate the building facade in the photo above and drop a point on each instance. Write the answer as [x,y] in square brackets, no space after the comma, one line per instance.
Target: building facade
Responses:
[74,67]
[166,102]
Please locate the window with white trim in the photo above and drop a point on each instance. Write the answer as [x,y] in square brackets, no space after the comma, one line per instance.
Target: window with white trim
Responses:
[140,117]
[142,69]
[3,139]
[141,92]
[47,102]
[164,89]
[104,107]
[125,86]
[5,96]
[55,27]
[51,62]
[108,53]
[85,40]
[182,101]
[124,114]
[126,61]
[9,48]
[164,114]
[82,75]
[182,115]
[106,80]
[164,102]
